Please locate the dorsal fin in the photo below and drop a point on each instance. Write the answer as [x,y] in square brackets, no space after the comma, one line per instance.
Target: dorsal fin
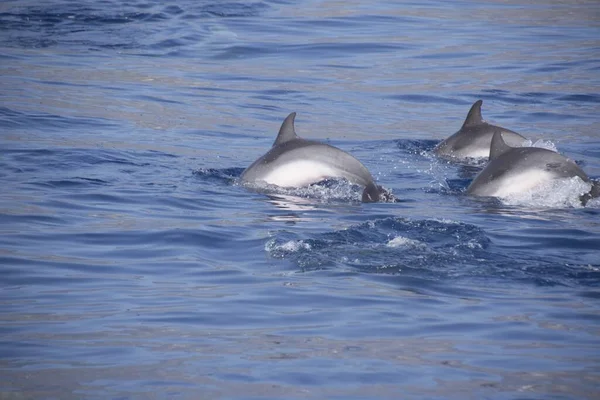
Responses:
[287,131]
[474,115]
[498,145]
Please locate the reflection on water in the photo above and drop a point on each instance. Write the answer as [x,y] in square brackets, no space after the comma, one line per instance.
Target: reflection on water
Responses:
[295,205]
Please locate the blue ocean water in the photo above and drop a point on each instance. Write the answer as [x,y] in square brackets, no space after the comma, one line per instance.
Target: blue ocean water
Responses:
[135,266]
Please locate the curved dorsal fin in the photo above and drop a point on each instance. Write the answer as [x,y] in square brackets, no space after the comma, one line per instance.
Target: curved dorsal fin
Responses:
[474,115]
[287,131]
[498,145]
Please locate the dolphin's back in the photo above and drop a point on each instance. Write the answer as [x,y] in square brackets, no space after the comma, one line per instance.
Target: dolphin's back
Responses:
[296,162]
[301,162]
[473,139]
[520,168]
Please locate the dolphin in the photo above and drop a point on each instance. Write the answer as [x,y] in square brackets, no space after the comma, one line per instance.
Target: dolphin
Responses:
[297,162]
[473,139]
[518,169]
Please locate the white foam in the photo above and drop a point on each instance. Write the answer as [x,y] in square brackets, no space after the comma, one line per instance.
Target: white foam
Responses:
[556,193]
[447,221]
[401,241]
[594,203]
[291,246]
[541,143]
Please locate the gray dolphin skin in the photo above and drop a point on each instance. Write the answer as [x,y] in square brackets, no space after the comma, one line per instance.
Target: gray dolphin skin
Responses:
[297,162]
[517,169]
[474,137]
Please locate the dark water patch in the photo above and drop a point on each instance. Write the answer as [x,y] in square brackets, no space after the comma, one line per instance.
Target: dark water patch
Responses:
[553,240]
[500,92]
[148,252]
[157,99]
[581,98]
[262,107]
[449,55]
[12,57]
[327,23]
[95,27]
[352,23]
[549,68]
[345,66]
[117,46]
[334,50]
[173,10]
[99,199]
[155,154]
[550,116]
[505,67]
[279,92]
[29,219]
[502,96]
[19,350]
[169,44]
[539,95]
[234,9]
[49,267]
[72,159]
[590,294]
[225,176]
[15,119]
[73,183]
[426,99]
[202,202]
[71,16]
[75,84]
[420,147]
[236,52]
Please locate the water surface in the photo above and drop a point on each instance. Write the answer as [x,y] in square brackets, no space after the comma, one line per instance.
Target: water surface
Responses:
[135,266]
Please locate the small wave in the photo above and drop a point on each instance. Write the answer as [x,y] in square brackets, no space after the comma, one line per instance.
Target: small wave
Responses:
[281,249]
[419,147]
[579,98]
[434,250]
[390,245]
[72,183]
[15,119]
[225,175]
[144,29]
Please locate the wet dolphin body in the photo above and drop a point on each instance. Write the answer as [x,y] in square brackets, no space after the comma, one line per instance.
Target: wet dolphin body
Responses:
[518,169]
[474,137]
[297,162]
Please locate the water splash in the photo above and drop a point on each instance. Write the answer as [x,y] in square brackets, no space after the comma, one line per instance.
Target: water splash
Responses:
[542,144]
[327,191]
[558,193]
[401,241]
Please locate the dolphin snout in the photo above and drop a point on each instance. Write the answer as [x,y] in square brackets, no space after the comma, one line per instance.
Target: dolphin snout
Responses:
[372,193]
